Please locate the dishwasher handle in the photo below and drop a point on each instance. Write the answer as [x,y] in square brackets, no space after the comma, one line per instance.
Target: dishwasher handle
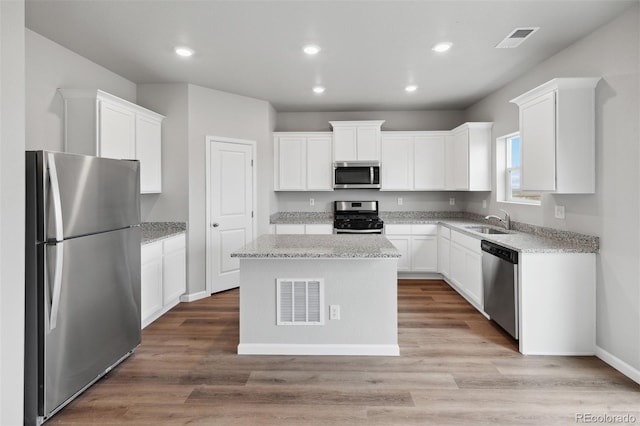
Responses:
[503,253]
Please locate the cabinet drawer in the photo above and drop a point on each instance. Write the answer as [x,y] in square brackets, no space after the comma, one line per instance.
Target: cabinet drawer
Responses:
[319,229]
[150,252]
[174,243]
[424,229]
[444,232]
[466,241]
[397,229]
[290,229]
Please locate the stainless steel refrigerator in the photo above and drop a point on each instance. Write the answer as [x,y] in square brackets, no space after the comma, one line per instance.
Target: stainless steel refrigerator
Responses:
[82,274]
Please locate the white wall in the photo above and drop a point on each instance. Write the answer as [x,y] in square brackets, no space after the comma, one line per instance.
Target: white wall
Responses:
[215,113]
[50,66]
[394,120]
[611,52]
[172,205]
[12,199]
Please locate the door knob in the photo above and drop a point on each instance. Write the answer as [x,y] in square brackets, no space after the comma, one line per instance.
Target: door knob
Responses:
[215,224]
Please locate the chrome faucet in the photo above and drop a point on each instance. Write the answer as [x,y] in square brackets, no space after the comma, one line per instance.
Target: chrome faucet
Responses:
[506,221]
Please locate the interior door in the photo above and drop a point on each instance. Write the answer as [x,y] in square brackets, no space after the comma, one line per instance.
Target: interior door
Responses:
[230,198]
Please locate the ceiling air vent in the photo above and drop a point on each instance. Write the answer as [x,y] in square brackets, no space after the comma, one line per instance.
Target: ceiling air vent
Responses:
[516,37]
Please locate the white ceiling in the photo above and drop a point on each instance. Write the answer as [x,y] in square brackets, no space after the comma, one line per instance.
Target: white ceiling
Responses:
[370,49]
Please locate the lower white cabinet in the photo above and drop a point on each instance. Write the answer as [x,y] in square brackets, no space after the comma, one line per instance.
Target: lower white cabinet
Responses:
[444,248]
[164,278]
[301,228]
[418,244]
[465,268]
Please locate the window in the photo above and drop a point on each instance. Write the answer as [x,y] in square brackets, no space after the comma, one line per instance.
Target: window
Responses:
[508,149]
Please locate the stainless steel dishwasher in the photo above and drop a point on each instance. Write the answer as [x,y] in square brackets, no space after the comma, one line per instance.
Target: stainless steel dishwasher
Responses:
[500,285]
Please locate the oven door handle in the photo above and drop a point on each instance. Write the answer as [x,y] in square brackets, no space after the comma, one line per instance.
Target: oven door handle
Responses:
[357,231]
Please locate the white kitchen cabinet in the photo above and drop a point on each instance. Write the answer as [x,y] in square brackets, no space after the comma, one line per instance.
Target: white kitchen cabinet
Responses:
[163,276]
[557,130]
[303,161]
[444,248]
[418,244]
[468,158]
[100,124]
[413,161]
[465,269]
[356,140]
[299,229]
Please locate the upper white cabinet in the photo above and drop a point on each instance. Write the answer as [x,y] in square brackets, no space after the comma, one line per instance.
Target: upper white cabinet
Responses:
[557,129]
[468,158]
[356,140]
[98,123]
[302,161]
[413,161]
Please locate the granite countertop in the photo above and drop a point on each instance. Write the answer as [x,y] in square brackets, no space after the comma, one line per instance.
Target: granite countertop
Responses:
[319,246]
[523,237]
[154,231]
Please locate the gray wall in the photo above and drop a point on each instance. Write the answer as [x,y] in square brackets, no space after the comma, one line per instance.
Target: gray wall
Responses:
[611,52]
[394,120]
[12,143]
[172,205]
[215,113]
[50,66]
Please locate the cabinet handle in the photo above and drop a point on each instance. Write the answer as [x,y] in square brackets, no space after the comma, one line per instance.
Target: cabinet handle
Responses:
[215,224]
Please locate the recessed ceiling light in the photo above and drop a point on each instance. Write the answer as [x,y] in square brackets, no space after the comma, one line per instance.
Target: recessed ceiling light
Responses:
[311,49]
[183,51]
[442,47]
[411,88]
[318,89]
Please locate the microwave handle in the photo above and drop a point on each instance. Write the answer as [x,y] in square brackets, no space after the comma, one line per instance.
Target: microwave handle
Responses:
[371,174]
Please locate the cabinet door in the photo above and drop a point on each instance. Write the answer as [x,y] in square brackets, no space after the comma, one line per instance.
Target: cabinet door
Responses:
[443,255]
[344,144]
[424,253]
[319,164]
[319,229]
[402,243]
[397,163]
[151,281]
[149,152]
[292,162]
[174,268]
[429,162]
[368,143]
[290,229]
[473,277]
[460,158]
[538,132]
[116,132]
[457,264]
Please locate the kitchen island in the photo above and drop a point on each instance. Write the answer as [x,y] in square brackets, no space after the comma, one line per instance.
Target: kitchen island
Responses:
[318,295]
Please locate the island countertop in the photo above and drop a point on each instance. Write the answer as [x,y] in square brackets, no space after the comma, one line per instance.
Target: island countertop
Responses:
[319,246]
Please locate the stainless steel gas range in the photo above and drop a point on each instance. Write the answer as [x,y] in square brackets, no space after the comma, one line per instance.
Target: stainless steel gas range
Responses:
[356,217]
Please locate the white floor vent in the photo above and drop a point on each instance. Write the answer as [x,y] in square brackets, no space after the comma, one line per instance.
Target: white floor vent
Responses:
[300,301]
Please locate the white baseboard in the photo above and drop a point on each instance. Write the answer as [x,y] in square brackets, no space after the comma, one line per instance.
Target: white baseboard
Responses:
[317,349]
[618,364]
[419,276]
[194,296]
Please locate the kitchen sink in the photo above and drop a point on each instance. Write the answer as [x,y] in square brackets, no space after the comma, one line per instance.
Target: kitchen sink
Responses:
[486,230]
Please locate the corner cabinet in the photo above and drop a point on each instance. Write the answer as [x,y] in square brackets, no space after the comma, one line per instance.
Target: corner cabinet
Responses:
[418,244]
[356,140]
[557,130]
[302,161]
[163,276]
[413,161]
[100,124]
[468,158]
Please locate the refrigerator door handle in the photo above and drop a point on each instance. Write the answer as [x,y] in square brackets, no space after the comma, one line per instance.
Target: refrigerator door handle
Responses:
[57,203]
[57,286]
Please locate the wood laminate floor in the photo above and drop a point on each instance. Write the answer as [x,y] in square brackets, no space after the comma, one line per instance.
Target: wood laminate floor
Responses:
[455,368]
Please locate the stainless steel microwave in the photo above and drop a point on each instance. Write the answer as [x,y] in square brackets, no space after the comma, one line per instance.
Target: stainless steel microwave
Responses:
[356,174]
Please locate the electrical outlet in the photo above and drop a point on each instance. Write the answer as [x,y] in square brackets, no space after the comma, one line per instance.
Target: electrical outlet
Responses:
[312,202]
[399,201]
[334,312]
[559,212]
[452,201]
[484,204]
